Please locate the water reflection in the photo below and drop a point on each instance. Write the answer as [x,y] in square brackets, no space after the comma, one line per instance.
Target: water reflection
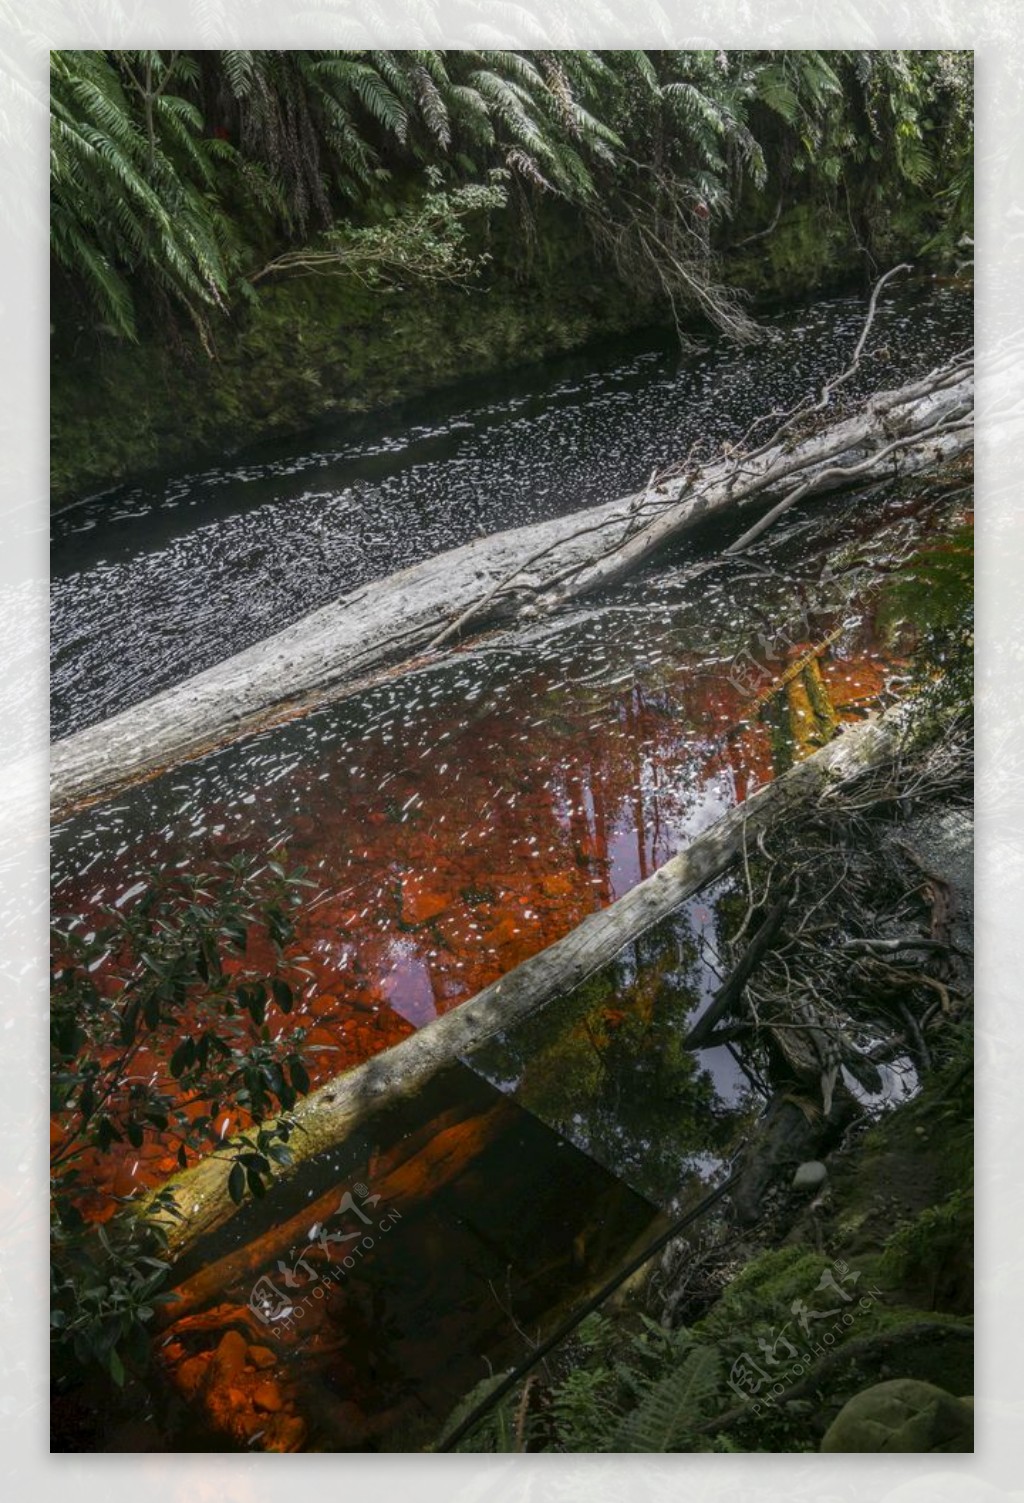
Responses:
[356,1325]
[605,1067]
[459,820]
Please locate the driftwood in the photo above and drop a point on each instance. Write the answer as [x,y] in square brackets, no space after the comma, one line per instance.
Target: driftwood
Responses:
[328,1115]
[508,577]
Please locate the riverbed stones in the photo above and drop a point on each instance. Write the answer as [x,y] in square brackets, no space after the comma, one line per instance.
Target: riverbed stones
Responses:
[230,1355]
[267,1396]
[419,903]
[810,1175]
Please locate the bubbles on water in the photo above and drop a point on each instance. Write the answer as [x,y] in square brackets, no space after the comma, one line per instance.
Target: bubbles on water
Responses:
[149,597]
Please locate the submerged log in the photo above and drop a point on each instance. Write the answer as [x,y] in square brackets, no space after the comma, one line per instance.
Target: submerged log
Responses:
[504,578]
[323,1119]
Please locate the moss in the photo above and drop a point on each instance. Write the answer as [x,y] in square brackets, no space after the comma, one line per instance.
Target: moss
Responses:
[930,1255]
[763,1291]
[805,252]
[309,348]
[306,349]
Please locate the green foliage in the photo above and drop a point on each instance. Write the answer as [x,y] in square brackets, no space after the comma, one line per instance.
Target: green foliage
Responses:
[103,1299]
[584,1409]
[163,977]
[166,973]
[918,1251]
[630,1390]
[495,1432]
[425,241]
[936,594]
[130,177]
[666,1418]
[176,176]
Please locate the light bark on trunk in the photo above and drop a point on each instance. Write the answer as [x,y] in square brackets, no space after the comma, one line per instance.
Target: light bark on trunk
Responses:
[507,577]
[329,1114]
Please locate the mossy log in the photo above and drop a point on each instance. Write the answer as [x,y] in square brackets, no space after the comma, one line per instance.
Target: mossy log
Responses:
[500,579]
[328,1115]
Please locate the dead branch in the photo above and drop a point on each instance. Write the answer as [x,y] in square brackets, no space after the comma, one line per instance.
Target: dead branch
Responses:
[729,995]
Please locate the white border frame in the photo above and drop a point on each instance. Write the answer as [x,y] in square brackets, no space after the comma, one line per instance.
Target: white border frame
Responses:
[996,32]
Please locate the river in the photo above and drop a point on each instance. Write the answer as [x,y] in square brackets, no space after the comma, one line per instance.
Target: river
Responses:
[153,582]
[458,819]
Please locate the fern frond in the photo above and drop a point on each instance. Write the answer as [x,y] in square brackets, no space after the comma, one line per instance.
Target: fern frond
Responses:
[666,1418]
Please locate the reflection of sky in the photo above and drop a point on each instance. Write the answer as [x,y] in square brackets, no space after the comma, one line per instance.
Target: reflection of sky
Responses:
[732,1084]
[406,984]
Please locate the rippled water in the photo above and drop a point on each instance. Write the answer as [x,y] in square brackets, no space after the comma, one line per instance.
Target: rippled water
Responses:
[457,820]
[156,581]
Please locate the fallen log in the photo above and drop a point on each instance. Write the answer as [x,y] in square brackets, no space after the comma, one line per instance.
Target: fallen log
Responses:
[199,1195]
[507,577]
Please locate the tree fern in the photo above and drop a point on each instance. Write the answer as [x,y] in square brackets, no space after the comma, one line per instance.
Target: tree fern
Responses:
[120,205]
[775,89]
[157,158]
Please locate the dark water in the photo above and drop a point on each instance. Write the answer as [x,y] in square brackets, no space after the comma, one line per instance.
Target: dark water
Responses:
[469,1225]
[458,820]
[156,581]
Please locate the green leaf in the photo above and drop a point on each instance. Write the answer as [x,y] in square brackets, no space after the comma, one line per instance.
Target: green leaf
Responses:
[184,1056]
[253,997]
[236,1184]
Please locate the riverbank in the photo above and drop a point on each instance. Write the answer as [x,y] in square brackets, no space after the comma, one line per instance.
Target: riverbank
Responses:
[310,348]
[854,1281]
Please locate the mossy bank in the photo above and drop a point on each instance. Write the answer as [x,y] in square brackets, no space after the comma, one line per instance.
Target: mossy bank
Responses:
[312,347]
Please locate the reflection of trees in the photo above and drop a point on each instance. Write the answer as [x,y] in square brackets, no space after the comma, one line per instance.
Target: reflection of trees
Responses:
[465,821]
[606,1067]
[466,840]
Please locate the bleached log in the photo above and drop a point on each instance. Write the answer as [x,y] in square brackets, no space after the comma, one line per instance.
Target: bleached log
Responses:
[328,1115]
[507,577]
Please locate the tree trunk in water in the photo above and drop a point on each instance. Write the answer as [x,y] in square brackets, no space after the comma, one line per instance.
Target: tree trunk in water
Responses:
[326,1116]
[504,578]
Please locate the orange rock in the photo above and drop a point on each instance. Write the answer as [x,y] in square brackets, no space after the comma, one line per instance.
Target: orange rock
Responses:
[229,1409]
[262,1356]
[267,1396]
[229,1358]
[191,1375]
[286,1433]
[508,931]
[419,905]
